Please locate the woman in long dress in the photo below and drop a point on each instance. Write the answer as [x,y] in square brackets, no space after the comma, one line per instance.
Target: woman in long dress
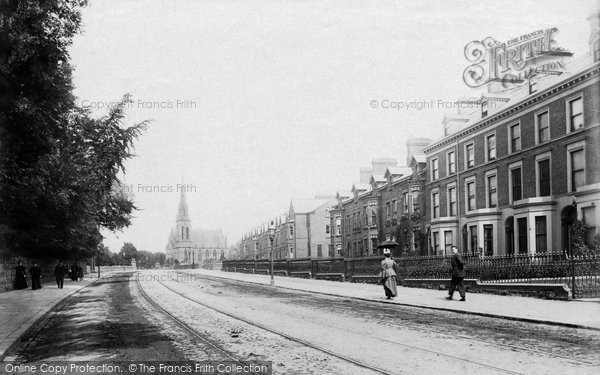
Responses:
[388,275]
[20,276]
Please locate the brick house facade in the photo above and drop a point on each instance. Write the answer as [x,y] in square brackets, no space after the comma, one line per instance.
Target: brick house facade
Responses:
[514,181]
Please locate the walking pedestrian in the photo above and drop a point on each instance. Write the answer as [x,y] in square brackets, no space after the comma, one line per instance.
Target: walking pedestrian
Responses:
[458,275]
[79,273]
[59,273]
[388,275]
[20,276]
[74,271]
[36,277]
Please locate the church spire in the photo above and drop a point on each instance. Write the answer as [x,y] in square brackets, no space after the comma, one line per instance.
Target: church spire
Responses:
[183,218]
[183,212]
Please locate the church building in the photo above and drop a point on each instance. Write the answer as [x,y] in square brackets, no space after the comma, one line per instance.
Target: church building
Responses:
[194,246]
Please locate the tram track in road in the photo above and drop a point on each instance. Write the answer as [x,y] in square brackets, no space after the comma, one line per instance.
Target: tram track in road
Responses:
[192,331]
[331,352]
[406,323]
[186,327]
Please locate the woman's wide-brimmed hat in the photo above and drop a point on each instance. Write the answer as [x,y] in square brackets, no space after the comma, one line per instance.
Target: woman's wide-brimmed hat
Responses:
[388,244]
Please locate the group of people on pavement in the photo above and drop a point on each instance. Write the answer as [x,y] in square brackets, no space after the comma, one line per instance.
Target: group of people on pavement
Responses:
[21,276]
[75,272]
[388,275]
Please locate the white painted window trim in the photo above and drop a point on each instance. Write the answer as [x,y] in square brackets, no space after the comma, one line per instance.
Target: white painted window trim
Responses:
[568,111]
[537,124]
[485,141]
[433,242]
[467,181]
[535,233]
[492,172]
[436,160]
[538,158]
[466,158]
[509,128]
[527,230]
[511,166]
[448,187]
[435,191]
[570,148]
[449,173]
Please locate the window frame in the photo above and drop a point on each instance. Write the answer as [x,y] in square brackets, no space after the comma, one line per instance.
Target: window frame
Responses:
[449,197]
[435,169]
[435,193]
[435,241]
[538,183]
[451,166]
[448,244]
[511,148]
[488,229]
[487,137]
[472,146]
[574,147]
[489,174]
[511,167]
[467,181]
[569,115]
[485,108]
[537,115]
[539,235]
[473,238]
[522,235]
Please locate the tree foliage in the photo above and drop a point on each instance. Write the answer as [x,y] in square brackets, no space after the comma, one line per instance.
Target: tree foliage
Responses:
[58,166]
[128,251]
[579,240]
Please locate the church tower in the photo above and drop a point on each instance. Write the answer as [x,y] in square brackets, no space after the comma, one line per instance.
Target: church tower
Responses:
[183,221]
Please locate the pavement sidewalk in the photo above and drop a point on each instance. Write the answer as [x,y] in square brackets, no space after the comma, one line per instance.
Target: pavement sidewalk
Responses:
[573,313]
[20,309]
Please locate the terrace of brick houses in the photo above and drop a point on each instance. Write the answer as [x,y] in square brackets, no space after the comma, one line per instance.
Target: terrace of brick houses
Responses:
[511,183]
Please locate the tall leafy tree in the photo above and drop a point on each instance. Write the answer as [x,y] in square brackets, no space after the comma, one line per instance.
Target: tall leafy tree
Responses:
[58,166]
[128,252]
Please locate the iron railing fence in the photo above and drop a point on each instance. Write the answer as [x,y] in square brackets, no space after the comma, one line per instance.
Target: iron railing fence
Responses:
[580,273]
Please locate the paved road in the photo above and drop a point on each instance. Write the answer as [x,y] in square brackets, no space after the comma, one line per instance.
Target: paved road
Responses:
[300,332]
[403,339]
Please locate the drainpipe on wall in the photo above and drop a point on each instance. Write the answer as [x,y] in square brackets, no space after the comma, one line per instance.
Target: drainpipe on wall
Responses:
[459,229]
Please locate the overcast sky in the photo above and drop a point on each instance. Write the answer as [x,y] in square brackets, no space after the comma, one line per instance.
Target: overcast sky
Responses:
[256,102]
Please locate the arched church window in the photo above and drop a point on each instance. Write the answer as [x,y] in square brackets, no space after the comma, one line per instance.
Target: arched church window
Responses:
[187,233]
[182,234]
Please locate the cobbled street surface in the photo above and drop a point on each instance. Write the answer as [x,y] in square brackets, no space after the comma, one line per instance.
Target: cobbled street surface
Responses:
[301,333]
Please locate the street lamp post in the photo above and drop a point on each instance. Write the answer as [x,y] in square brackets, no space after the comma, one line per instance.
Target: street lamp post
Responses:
[271,238]
[98,252]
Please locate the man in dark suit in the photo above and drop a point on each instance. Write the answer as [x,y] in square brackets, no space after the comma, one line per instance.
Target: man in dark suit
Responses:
[60,272]
[36,277]
[458,275]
